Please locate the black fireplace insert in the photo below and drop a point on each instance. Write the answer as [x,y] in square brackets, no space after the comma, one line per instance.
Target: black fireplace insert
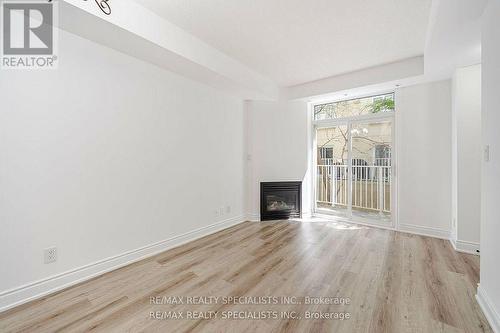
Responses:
[280,200]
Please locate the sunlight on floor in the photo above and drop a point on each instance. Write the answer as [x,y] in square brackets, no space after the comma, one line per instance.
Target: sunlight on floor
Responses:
[330,223]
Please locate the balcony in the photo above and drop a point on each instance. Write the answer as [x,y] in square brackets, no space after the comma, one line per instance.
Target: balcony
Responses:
[370,189]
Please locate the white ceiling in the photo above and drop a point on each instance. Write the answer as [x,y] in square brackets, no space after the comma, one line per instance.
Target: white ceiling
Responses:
[297,41]
[454,36]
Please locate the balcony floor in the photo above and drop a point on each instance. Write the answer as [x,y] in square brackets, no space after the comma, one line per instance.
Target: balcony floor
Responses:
[357,214]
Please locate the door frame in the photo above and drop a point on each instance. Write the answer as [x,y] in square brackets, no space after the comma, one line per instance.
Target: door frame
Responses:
[348,121]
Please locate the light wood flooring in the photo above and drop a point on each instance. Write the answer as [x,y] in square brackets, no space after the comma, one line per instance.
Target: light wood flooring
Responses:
[395,282]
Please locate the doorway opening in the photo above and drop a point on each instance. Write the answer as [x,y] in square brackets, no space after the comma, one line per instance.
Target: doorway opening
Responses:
[354,159]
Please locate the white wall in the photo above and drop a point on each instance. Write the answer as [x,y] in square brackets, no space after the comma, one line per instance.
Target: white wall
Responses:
[277,148]
[423,125]
[466,161]
[108,154]
[489,290]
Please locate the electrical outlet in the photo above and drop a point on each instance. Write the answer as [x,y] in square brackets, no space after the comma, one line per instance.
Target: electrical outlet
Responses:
[50,255]
[228,209]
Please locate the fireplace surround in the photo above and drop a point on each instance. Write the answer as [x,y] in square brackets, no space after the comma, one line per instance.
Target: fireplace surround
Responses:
[280,200]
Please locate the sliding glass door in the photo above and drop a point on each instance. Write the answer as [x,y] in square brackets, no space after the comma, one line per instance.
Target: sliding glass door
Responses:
[371,154]
[332,168]
[354,168]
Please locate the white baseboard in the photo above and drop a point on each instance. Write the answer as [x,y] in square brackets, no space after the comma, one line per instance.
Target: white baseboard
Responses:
[307,214]
[460,246]
[465,247]
[424,231]
[253,217]
[489,311]
[23,294]
[406,228]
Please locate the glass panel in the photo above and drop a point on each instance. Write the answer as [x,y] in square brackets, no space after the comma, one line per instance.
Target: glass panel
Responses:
[332,155]
[354,107]
[371,169]
[368,195]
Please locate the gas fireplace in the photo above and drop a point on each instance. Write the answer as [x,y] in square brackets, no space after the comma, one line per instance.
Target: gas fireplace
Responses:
[280,200]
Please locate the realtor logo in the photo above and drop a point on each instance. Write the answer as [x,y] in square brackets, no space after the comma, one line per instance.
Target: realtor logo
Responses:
[28,34]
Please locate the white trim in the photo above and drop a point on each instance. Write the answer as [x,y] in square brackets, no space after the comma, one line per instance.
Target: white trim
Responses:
[424,231]
[354,119]
[406,228]
[307,214]
[29,292]
[464,246]
[314,158]
[308,201]
[253,217]
[352,97]
[489,311]
[395,162]
[459,246]
[348,121]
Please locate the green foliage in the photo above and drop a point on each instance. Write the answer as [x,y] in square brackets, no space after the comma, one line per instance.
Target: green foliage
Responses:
[354,107]
[382,104]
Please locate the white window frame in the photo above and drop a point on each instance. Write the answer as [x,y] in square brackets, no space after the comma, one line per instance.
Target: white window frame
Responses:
[349,121]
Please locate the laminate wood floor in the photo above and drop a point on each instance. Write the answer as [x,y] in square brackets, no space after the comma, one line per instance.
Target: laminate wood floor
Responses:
[377,281]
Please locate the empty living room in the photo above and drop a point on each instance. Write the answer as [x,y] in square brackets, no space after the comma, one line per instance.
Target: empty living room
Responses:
[250,166]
